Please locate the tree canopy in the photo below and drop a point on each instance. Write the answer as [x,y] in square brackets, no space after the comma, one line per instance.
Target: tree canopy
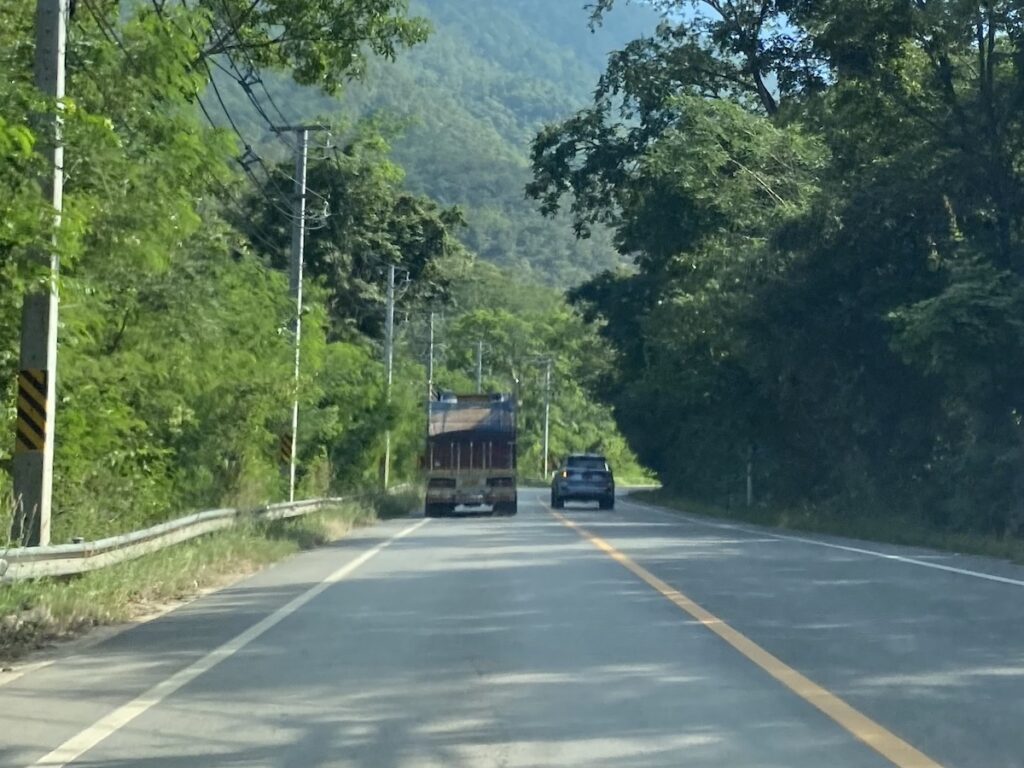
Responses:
[822,203]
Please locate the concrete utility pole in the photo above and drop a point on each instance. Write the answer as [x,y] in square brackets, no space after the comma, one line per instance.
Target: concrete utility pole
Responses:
[430,380]
[389,356]
[295,285]
[547,413]
[295,270]
[430,358]
[37,374]
[479,367]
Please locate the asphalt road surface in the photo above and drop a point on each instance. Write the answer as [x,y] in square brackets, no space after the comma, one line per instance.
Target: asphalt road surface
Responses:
[632,638]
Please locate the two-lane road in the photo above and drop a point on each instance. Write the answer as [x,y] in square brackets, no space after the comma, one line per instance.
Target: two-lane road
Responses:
[632,638]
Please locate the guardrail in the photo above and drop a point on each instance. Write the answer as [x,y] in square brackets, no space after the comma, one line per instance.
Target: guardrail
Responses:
[68,559]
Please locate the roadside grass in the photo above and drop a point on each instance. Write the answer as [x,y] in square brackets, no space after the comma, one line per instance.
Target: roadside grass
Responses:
[398,504]
[637,481]
[34,614]
[877,528]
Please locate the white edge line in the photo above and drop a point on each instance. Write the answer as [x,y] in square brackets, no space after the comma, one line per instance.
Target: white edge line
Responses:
[844,548]
[81,743]
[16,673]
[102,635]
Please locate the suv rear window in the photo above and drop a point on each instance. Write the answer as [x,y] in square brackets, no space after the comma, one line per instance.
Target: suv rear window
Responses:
[587,462]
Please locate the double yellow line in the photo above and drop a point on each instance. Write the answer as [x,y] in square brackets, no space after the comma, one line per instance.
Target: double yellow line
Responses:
[880,739]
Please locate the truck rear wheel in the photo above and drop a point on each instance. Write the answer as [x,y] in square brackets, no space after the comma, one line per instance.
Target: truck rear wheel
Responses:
[557,502]
[506,508]
[608,502]
[435,510]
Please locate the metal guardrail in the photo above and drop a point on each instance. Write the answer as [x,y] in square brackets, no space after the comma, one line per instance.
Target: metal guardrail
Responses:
[67,559]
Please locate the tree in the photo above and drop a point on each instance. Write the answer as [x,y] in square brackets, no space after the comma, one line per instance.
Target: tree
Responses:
[830,270]
[362,220]
[521,325]
[175,380]
[321,42]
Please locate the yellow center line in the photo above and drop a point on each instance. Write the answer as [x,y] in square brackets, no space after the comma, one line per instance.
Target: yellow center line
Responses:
[880,739]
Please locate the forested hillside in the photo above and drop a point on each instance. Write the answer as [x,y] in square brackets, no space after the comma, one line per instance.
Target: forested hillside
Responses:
[465,105]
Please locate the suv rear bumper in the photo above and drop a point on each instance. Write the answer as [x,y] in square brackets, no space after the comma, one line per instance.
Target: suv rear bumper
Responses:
[583,492]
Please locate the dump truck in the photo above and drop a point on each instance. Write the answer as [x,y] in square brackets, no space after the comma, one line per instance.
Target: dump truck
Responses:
[470,459]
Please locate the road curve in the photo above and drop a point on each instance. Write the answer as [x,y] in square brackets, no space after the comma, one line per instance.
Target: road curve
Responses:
[633,638]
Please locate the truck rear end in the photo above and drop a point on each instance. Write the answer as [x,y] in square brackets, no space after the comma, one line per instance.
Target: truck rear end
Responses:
[471,454]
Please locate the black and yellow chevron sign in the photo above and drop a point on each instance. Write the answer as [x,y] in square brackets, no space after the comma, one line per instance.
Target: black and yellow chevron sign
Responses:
[32,411]
[286,448]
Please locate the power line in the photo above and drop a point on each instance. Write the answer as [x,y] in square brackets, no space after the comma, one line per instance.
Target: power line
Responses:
[253,73]
[223,106]
[257,233]
[110,34]
[250,156]
[245,81]
[253,76]
[270,100]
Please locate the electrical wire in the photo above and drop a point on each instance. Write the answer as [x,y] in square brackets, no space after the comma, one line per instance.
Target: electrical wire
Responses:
[110,34]
[253,76]
[253,71]
[250,157]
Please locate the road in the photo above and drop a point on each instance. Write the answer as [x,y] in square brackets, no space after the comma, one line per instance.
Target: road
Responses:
[635,638]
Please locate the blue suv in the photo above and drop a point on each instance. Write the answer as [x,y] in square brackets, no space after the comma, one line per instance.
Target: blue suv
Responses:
[584,477]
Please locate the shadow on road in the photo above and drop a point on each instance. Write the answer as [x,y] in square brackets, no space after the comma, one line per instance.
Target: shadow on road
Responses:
[486,641]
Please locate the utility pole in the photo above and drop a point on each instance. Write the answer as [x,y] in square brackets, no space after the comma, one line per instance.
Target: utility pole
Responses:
[295,270]
[389,356]
[37,372]
[430,359]
[295,286]
[430,384]
[479,366]
[547,413]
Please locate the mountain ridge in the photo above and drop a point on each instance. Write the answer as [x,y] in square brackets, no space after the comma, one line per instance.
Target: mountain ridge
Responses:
[471,99]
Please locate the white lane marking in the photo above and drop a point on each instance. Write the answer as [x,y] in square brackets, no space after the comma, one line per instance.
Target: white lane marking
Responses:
[102,635]
[829,545]
[78,745]
[6,678]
